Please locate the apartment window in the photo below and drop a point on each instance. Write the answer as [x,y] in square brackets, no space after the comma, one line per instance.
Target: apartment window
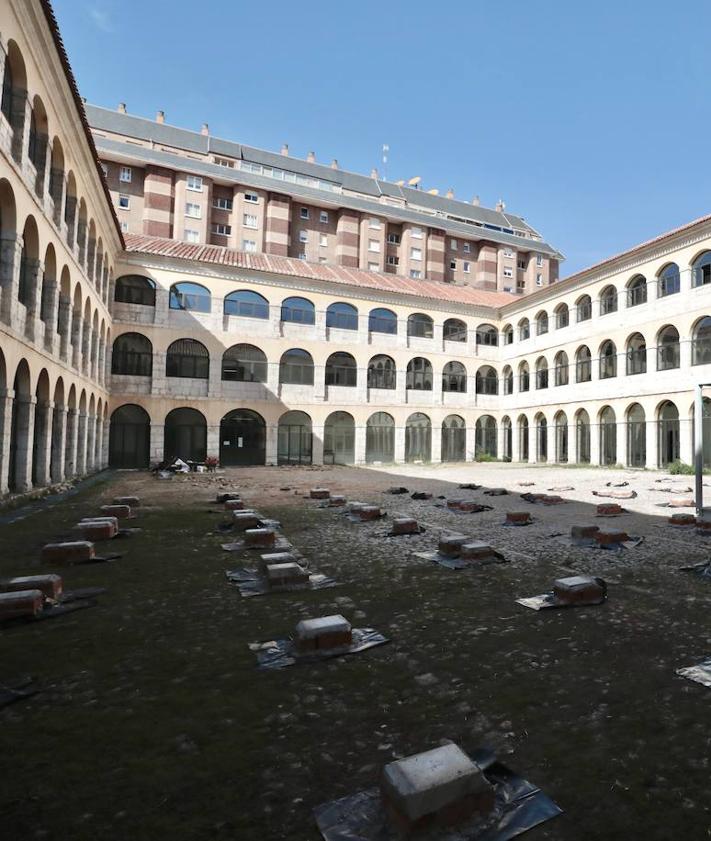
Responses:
[222,204]
[124,227]
[195,183]
[373,267]
[249,245]
[249,220]
[416,233]
[323,240]
[394,239]
[323,217]
[539,260]
[453,244]
[303,236]
[453,265]
[373,245]
[508,271]
[466,248]
[521,265]
[539,280]
[124,202]
[416,274]
[323,259]
[302,255]
[191,236]
[225,162]
[222,230]
[466,267]
[125,174]
[393,261]
[508,252]
[415,253]
[304,213]
[193,210]
[374,224]
[252,198]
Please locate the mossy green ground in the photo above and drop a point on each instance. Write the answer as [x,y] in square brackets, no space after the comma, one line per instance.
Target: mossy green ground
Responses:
[153,722]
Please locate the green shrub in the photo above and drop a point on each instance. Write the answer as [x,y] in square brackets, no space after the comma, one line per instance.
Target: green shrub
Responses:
[680,468]
[484,457]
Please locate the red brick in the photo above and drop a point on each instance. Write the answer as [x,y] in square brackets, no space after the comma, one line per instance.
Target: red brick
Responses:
[234,505]
[611,536]
[518,518]
[319,493]
[405,525]
[49,585]
[96,530]
[682,520]
[23,603]
[607,509]
[68,552]
[122,512]
[369,512]
[263,538]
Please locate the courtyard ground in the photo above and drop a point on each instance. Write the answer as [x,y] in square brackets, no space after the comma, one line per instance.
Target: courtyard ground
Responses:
[153,723]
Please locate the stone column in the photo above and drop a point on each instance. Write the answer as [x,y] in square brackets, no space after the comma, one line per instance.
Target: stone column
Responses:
[317,444]
[10,257]
[319,382]
[101,373]
[651,431]
[470,448]
[59,443]
[399,444]
[43,442]
[33,280]
[70,217]
[573,454]
[436,447]
[106,429]
[81,444]
[532,442]
[98,443]
[49,312]
[94,356]
[6,398]
[24,443]
[64,326]
[19,119]
[87,332]
[500,440]
[70,453]
[41,163]
[360,444]
[437,394]
[686,440]
[594,442]
[57,192]
[272,443]
[77,326]
[273,379]
[621,447]
[81,242]
[90,443]
[91,259]
[213,440]
[157,444]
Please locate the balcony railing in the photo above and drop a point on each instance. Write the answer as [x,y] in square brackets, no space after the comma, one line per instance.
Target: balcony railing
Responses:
[637,361]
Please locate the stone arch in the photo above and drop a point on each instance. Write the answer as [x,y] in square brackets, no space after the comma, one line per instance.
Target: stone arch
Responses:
[418,438]
[454,439]
[185,435]
[339,438]
[21,430]
[295,438]
[129,437]
[380,438]
[636,436]
[243,438]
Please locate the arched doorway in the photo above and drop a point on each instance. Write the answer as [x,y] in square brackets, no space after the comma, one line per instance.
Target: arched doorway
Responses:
[454,439]
[541,439]
[339,439]
[243,437]
[523,437]
[21,431]
[668,433]
[418,438]
[185,435]
[608,436]
[295,439]
[380,438]
[636,437]
[129,437]
[485,437]
[561,437]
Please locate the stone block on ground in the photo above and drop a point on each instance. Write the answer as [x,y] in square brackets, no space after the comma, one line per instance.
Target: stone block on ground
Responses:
[454,504]
[122,512]
[131,501]
[275,558]
[233,505]
[611,537]
[70,552]
[259,538]
[518,518]
[21,603]
[319,493]
[609,509]
[322,633]
[225,495]
[552,499]
[336,501]
[405,525]
[243,520]
[583,535]
[682,519]
[367,513]
[578,589]
[49,585]
[286,575]
[438,788]
[97,530]
[476,550]
[451,544]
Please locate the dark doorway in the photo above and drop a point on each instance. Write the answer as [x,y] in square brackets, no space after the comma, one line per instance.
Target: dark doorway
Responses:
[243,436]
[129,437]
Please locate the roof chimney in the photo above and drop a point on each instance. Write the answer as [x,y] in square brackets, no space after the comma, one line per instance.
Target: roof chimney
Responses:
[311,158]
[500,206]
[450,193]
[205,129]
[160,117]
[285,149]
[122,108]
[334,164]
[476,201]
[374,173]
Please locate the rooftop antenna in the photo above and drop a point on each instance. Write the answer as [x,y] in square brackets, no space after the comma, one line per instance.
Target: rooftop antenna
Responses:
[386,152]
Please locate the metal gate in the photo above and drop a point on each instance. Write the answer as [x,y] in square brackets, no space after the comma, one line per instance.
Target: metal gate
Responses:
[295,440]
[185,435]
[129,437]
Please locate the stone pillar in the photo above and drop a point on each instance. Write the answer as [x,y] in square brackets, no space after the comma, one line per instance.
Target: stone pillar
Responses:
[6,398]
[157,445]
[594,442]
[277,238]
[59,443]
[436,445]
[57,192]
[20,115]
[41,163]
[64,326]
[273,379]
[470,448]
[33,297]
[81,444]
[49,312]
[77,325]
[272,444]
[86,347]
[70,454]
[320,325]
[213,440]
[90,443]
[500,440]
[399,444]
[24,440]
[621,446]
[437,394]
[651,431]
[106,429]
[43,442]
[319,382]
[573,454]
[532,442]
[99,443]
[10,257]
[94,356]
[360,444]
[317,445]
[686,436]
[70,217]
[81,242]
[347,238]
[91,259]
[101,373]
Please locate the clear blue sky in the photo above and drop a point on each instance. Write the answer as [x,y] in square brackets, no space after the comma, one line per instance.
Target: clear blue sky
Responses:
[591,120]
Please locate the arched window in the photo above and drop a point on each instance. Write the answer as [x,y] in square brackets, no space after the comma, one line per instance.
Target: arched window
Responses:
[486,334]
[486,380]
[135,289]
[608,436]
[485,444]
[701,342]
[380,438]
[455,330]
[701,269]
[454,439]
[129,437]
[508,334]
[523,437]
[637,291]
[561,368]
[341,369]
[454,377]
[636,437]
[298,311]
[244,364]
[507,438]
[507,379]
[583,365]
[668,280]
[541,439]
[342,316]
[636,354]
[294,438]
[560,424]
[185,435]
[7,91]
[339,438]
[296,367]
[608,300]
[541,373]
[562,316]
[418,438]
[382,321]
[187,358]
[524,329]
[381,372]
[608,360]
[419,374]
[668,355]
[582,436]
[541,323]
[132,354]
[246,304]
[583,308]
[524,377]
[420,325]
[189,296]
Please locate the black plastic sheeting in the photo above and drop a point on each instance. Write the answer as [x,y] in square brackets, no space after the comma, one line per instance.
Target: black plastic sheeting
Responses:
[17,691]
[251,583]
[278,654]
[701,673]
[281,544]
[703,570]
[520,806]
[461,563]
[547,600]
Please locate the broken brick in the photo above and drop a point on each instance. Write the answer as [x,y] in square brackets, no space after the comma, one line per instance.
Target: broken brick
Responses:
[475,550]
[223,497]
[454,504]
[552,499]
[609,509]
[96,530]
[583,535]
[579,589]
[611,537]
[233,505]
[243,520]
[286,575]
[131,501]
[451,544]
[369,512]
[682,520]
[336,501]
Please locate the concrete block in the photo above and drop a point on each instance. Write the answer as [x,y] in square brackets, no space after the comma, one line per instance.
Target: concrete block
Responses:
[405,525]
[262,538]
[454,504]
[319,493]
[275,558]
[609,509]
[336,501]
[243,520]
[285,575]
[96,530]
[682,520]
[583,535]
[440,787]
[131,501]
[369,512]
[475,550]
[234,505]
[610,537]
[223,497]
[682,502]
[122,512]
[354,507]
[21,603]
[451,544]
[518,518]
[578,589]
[322,633]
[70,552]
[552,499]
[49,585]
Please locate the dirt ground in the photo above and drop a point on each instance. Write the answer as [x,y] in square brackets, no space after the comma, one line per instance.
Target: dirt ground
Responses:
[153,723]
